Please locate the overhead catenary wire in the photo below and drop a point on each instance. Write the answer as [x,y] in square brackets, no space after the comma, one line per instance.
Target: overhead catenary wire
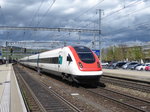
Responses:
[127,28]
[135,11]
[127,6]
[51,6]
[126,15]
[2,15]
[81,14]
[124,7]
[137,27]
[46,12]
[34,17]
[35,14]
[86,11]
[92,24]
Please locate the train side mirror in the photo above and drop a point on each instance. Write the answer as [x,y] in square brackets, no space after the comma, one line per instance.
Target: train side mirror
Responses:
[69,58]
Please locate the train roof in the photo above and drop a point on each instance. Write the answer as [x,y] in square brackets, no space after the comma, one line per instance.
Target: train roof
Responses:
[77,48]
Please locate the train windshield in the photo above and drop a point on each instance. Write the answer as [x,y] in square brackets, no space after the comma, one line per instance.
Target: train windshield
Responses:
[85,54]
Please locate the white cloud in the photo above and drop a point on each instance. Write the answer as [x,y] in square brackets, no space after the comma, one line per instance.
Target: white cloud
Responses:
[70,11]
[2,3]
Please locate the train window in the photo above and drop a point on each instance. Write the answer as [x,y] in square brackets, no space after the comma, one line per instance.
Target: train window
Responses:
[85,54]
[82,49]
[69,58]
[31,60]
[86,57]
[52,60]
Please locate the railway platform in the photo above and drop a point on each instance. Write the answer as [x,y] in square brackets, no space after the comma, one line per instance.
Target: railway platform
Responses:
[10,96]
[143,76]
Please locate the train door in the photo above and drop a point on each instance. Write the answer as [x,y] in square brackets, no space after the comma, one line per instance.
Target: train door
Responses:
[38,65]
[65,61]
[60,61]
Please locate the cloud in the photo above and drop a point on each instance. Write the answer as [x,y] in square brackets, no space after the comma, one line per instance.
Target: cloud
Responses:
[120,22]
[70,11]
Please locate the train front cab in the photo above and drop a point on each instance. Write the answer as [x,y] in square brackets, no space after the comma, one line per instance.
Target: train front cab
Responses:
[89,67]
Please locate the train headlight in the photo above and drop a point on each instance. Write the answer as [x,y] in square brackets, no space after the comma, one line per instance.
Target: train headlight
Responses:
[80,64]
[98,65]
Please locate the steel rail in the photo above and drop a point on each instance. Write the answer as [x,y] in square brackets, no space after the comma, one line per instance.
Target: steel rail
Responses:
[53,93]
[29,90]
[128,83]
[118,101]
[146,101]
[21,89]
[127,79]
[61,98]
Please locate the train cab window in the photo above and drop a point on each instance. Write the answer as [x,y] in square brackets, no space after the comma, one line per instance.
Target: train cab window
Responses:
[85,54]
[69,58]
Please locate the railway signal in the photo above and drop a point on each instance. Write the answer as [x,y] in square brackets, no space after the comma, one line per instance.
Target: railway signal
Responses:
[25,50]
[11,51]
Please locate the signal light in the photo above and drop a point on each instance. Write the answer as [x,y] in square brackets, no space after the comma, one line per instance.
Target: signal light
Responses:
[11,50]
[25,50]
[80,64]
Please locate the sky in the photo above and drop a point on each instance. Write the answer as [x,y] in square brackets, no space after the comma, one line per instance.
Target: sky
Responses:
[122,21]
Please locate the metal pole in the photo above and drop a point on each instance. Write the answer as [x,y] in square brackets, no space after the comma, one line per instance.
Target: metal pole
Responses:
[79,36]
[6,53]
[100,11]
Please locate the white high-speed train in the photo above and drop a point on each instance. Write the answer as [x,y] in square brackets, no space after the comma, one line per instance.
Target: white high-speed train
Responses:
[78,64]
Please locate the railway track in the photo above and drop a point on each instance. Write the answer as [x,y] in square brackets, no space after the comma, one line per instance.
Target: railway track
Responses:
[43,98]
[126,100]
[133,103]
[31,102]
[127,83]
